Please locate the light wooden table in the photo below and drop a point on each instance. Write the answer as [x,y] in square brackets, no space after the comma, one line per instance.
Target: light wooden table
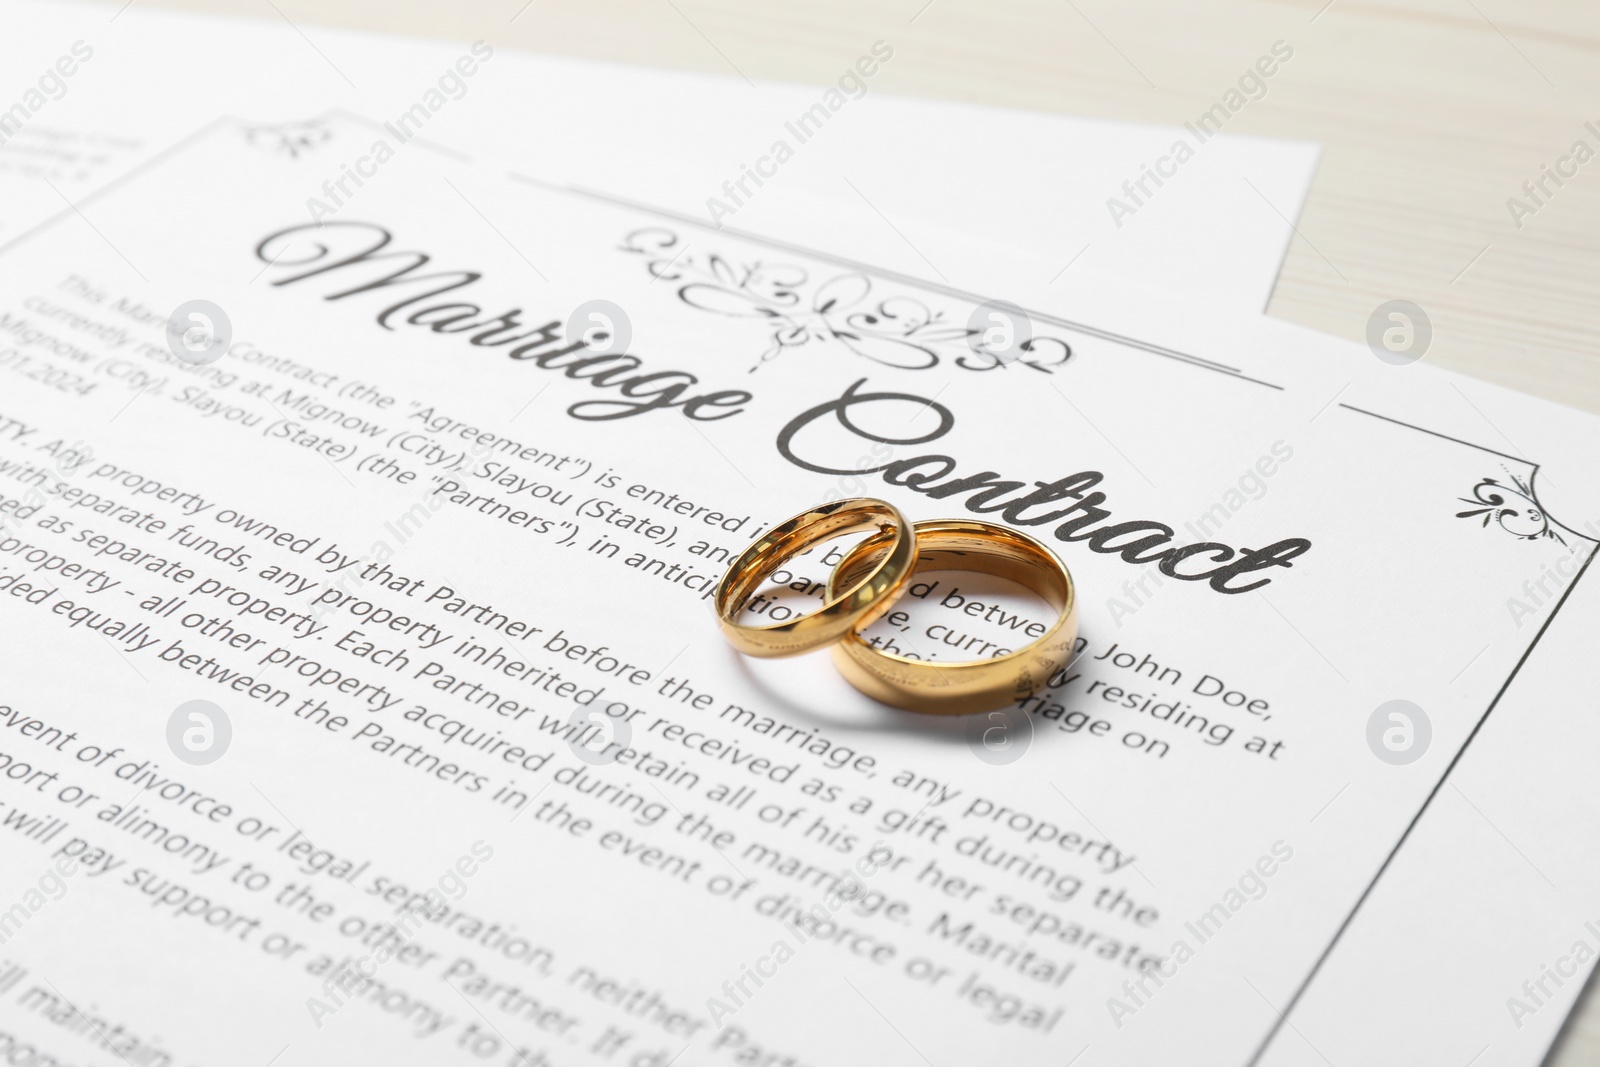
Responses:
[1431,113]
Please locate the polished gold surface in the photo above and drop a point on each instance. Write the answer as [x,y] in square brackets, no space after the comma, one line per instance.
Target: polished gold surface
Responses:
[858,603]
[977,685]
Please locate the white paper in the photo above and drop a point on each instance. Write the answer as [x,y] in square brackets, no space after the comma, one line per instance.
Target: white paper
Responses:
[1218,230]
[1245,433]
[1476,883]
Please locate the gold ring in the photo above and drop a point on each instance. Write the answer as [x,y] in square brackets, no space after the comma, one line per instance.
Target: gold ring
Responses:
[978,685]
[861,602]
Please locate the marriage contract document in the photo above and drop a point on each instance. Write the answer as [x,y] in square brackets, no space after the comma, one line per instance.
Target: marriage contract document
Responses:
[362,698]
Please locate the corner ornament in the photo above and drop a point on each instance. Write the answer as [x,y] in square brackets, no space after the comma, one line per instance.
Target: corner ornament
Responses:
[1513,508]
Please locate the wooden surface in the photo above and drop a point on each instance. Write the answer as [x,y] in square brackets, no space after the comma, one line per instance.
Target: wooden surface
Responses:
[1431,113]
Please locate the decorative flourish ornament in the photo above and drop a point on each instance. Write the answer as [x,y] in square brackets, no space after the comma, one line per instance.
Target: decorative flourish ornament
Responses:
[897,330]
[294,138]
[1512,507]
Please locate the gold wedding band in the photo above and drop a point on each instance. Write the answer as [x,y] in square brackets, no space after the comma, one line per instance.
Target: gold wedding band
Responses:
[979,685]
[856,603]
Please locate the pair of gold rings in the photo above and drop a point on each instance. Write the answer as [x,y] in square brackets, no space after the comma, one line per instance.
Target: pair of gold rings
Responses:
[868,580]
